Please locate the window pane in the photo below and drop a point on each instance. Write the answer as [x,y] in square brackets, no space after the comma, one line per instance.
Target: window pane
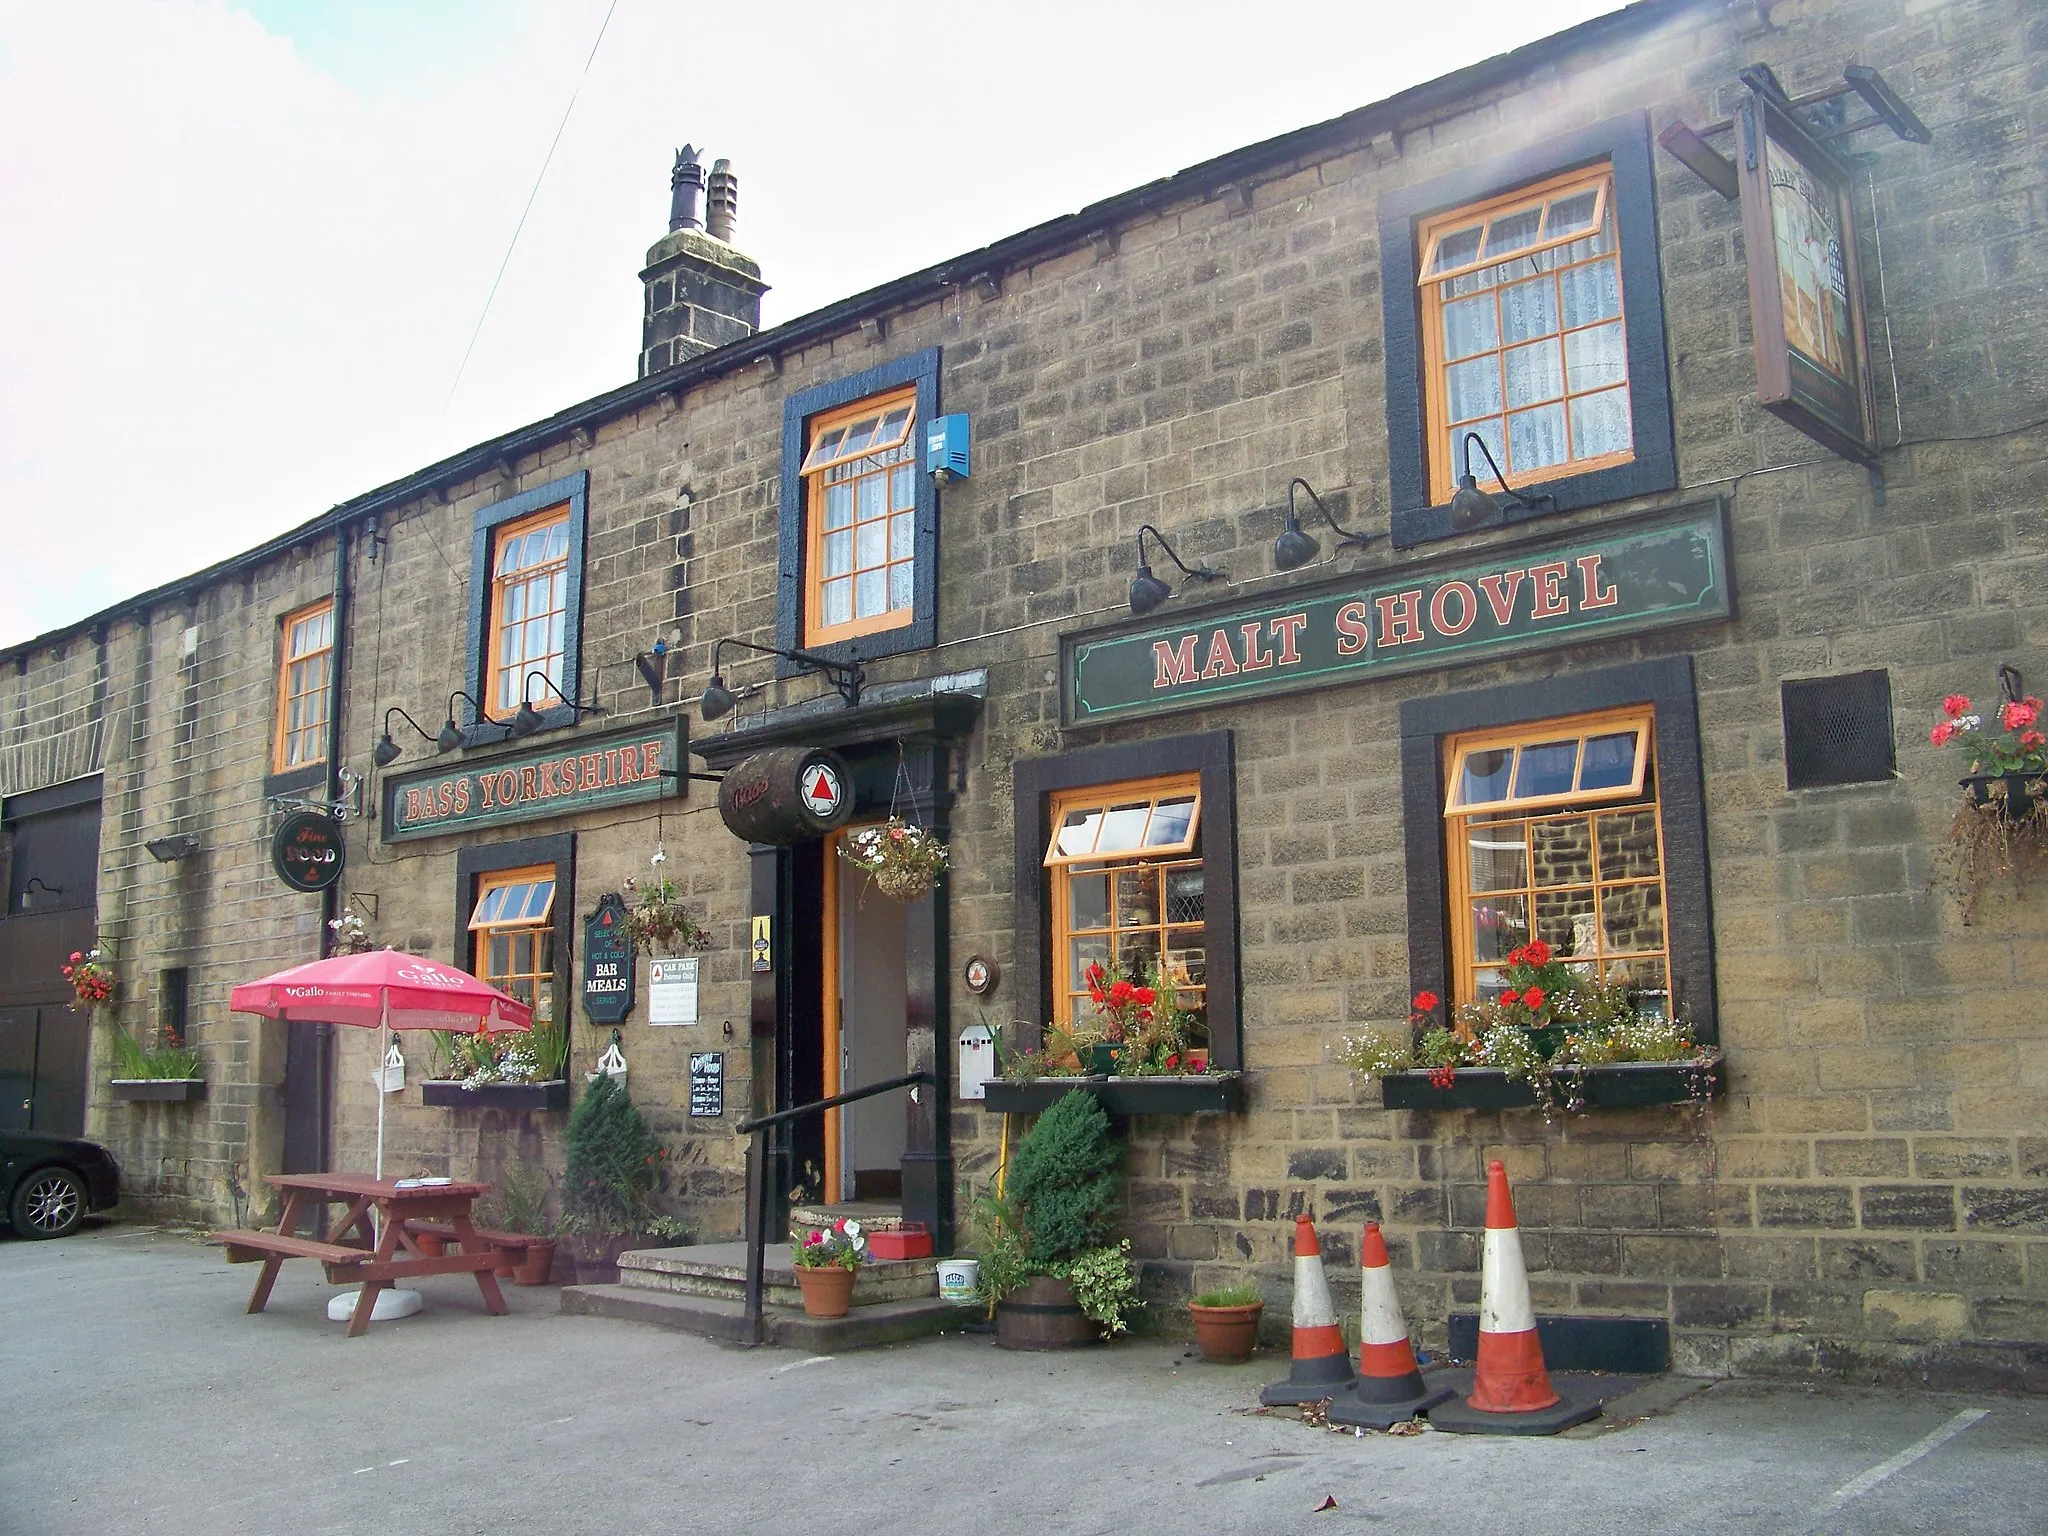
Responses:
[838,603]
[902,536]
[1547,769]
[1499,924]
[839,554]
[1564,921]
[543,894]
[1628,845]
[1138,950]
[501,956]
[1488,432]
[838,505]
[1536,438]
[1596,358]
[1455,249]
[870,595]
[1648,984]
[1170,820]
[827,445]
[892,424]
[872,498]
[1184,898]
[903,487]
[1600,424]
[1473,388]
[1081,954]
[901,595]
[1591,293]
[1528,310]
[1485,776]
[1608,761]
[1077,832]
[1568,215]
[1562,851]
[1632,917]
[858,436]
[1470,325]
[1137,897]
[1087,901]
[1499,859]
[1534,373]
[1123,828]
[872,544]
[1513,231]
[1186,967]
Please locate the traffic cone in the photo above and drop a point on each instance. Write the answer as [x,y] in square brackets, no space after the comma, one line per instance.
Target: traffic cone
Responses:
[1390,1387]
[1321,1368]
[1511,1390]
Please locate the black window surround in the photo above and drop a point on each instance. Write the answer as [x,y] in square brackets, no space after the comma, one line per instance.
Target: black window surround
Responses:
[922,370]
[481,859]
[575,490]
[1665,684]
[1625,143]
[1037,779]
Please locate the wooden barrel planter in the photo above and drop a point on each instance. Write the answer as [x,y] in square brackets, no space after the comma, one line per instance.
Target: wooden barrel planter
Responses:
[1042,1314]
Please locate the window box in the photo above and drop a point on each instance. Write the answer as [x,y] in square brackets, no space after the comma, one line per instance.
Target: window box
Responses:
[1624,1085]
[1208,1093]
[159,1090]
[449,1094]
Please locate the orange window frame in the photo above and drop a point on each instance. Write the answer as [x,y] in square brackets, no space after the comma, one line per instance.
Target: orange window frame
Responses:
[1642,795]
[1183,853]
[503,582]
[1443,461]
[304,677]
[539,926]
[889,452]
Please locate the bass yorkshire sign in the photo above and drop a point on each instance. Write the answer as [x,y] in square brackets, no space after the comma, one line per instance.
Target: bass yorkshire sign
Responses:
[1621,580]
[581,773]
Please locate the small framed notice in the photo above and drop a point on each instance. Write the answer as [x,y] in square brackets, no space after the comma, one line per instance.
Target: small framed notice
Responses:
[672,991]
[707,1085]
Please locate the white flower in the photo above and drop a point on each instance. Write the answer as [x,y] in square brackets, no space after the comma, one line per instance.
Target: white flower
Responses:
[852,1230]
[660,857]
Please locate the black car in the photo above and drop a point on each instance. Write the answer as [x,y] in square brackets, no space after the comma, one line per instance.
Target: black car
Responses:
[48,1183]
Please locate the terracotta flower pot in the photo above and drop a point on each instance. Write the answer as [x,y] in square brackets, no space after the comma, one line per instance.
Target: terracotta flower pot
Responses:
[537,1266]
[828,1290]
[1226,1335]
[430,1245]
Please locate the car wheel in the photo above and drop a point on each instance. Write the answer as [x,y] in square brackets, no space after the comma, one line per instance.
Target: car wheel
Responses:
[50,1202]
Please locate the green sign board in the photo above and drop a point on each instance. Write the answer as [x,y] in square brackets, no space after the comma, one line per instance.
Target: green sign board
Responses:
[580,773]
[1668,569]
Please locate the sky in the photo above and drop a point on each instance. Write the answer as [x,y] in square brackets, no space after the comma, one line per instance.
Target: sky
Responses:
[245,244]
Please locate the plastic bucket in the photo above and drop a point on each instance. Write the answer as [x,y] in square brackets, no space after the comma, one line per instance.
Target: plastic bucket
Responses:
[958,1279]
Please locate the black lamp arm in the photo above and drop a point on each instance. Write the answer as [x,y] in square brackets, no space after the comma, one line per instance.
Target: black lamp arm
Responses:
[481,717]
[1344,535]
[846,676]
[592,708]
[1199,573]
[424,735]
[1518,497]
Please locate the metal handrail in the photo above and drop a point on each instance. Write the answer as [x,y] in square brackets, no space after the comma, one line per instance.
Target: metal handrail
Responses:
[757,1177]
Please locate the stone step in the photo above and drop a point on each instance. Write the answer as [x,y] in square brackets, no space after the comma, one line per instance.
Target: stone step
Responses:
[873,1215]
[717,1317]
[719,1270]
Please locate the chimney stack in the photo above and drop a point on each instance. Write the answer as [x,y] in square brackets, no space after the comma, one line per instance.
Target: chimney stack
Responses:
[700,292]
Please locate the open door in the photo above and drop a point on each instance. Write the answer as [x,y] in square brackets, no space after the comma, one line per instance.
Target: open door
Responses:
[866,1028]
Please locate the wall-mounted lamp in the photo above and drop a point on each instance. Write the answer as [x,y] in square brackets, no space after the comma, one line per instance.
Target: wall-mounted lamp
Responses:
[1471,507]
[168,850]
[28,891]
[387,751]
[1296,546]
[718,699]
[1147,590]
[451,733]
[653,665]
[527,721]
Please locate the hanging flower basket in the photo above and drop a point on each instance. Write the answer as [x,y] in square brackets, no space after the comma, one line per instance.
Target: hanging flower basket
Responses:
[91,978]
[2001,827]
[657,919]
[904,861]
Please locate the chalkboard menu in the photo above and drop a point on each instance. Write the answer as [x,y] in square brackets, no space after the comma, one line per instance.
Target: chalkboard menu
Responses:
[607,963]
[707,1084]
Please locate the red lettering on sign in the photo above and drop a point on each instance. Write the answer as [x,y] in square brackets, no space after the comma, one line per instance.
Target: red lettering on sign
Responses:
[747,794]
[508,787]
[1500,590]
[550,782]
[1171,664]
[589,771]
[1468,608]
[412,804]
[1354,630]
[462,796]
[1255,660]
[629,766]
[1590,593]
[1400,618]
[488,786]
[1287,629]
[1548,580]
[650,759]
[444,798]
[1221,662]
[528,783]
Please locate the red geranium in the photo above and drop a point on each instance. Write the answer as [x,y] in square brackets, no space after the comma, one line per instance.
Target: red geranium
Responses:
[2015,717]
[1426,1001]
[1510,998]
[1533,999]
[1955,706]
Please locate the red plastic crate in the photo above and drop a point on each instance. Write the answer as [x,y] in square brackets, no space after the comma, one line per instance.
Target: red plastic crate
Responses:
[910,1241]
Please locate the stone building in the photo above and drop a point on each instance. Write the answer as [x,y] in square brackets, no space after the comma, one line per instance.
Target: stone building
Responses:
[1663,704]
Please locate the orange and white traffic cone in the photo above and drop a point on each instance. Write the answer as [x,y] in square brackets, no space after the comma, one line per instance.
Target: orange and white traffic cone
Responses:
[1321,1367]
[1390,1387]
[1511,1390]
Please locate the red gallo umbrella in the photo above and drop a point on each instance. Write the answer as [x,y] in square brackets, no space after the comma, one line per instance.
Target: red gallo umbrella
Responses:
[387,989]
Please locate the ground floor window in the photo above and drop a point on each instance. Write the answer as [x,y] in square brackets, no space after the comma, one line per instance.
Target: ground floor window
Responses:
[512,936]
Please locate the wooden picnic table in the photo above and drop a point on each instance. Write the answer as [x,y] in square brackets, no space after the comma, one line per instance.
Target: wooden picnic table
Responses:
[357,1250]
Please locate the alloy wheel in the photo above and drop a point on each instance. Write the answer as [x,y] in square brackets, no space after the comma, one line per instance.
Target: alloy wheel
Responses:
[51,1203]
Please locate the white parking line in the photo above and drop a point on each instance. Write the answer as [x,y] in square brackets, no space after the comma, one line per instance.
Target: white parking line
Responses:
[797,1365]
[1856,1487]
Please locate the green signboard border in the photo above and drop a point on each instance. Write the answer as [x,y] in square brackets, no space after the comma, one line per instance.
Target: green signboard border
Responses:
[676,728]
[1716,603]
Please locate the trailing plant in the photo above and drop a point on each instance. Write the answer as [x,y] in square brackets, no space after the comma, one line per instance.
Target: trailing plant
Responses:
[91,977]
[656,916]
[163,1060]
[478,1060]
[1063,1185]
[1105,1284]
[1231,1296]
[672,1229]
[2000,830]
[842,1246]
[613,1160]
[904,861]
[351,934]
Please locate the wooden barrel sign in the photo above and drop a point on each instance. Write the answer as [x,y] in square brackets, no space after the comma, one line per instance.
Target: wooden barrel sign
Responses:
[788,795]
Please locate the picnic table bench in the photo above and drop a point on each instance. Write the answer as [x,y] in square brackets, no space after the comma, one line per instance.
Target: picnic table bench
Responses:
[512,1244]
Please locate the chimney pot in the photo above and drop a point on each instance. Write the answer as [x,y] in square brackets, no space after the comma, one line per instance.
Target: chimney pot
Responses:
[722,204]
[686,185]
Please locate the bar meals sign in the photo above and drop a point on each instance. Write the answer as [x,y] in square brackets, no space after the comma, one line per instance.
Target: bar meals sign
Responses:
[1618,579]
[580,773]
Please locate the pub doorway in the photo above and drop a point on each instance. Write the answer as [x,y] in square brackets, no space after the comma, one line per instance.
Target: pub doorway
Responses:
[865,1001]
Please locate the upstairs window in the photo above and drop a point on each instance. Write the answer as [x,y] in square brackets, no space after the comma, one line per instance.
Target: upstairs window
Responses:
[304,688]
[860,495]
[528,627]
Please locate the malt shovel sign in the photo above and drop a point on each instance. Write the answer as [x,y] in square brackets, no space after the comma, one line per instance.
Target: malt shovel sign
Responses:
[608,968]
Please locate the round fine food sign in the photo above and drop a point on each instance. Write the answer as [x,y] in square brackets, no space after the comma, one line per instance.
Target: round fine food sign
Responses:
[307,851]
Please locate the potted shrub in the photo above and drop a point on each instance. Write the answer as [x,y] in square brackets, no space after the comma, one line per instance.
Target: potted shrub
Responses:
[826,1265]
[2001,826]
[903,860]
[523,1200]
[1047,1266]
[612,1162]
[1227,1323]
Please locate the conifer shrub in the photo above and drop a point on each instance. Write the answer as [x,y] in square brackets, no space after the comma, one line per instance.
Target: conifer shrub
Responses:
[1063,1183]
[612,1162]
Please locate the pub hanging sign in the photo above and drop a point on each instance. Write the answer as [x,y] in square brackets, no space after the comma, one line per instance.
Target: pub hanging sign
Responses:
[1618,579]
[579,773]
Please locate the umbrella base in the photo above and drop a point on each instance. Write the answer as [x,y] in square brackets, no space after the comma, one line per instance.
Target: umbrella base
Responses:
[390,1303]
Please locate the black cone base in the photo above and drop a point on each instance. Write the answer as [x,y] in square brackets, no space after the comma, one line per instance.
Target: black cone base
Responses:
[1354,1411]
[1310,1381]
[1577,1401]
